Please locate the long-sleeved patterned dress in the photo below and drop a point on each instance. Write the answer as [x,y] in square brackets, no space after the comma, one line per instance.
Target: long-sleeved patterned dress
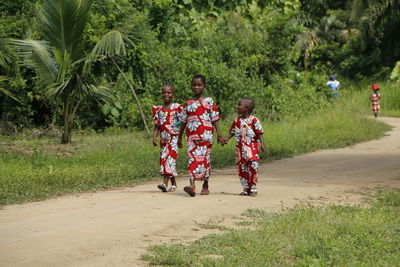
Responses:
[375,102]
[199,116]
[167,121]
[246,131]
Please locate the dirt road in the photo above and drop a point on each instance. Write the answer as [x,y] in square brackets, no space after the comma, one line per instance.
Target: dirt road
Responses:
[113,228]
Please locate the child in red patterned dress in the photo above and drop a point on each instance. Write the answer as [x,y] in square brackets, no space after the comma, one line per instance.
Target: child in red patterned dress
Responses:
[249,133]
[166,123]
[199,117]
[375,99]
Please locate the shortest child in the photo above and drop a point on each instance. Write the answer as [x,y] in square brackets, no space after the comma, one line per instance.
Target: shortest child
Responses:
[375,99]
[166,122]
[249,136]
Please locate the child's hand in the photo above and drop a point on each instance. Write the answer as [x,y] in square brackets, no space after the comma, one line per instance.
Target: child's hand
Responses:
[221,140]
[263,148]
[163,142]
[179,142]
[155,142]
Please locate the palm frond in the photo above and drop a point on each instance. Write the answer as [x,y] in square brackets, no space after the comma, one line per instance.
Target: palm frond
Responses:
[6,92]
[5,56]
[358,9]
[64,22]
[112,44]
[37,55]
[306,42]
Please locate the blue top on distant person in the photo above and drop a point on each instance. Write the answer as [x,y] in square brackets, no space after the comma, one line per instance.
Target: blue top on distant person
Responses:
[334,85]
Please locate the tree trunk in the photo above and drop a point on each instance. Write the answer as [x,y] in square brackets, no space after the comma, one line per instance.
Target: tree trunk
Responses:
[67,116]
[134,95]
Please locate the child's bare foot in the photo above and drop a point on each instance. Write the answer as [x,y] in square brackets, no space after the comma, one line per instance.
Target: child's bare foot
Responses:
[189,190]
[162,187]
[172,188]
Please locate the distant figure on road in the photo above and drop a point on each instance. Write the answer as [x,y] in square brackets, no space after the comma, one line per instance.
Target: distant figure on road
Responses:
[375,99]
[334,85]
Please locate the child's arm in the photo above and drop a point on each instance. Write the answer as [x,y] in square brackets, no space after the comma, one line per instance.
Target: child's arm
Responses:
[262,145]
[181,130]
[155,134]
[228,138]
[221,139]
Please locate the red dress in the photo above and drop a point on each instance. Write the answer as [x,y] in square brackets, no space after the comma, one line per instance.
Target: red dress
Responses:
[247,131]
[167,121]
[375,101]
[199,116]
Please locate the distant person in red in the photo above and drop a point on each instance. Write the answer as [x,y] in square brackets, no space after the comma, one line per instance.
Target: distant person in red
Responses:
[248,133]
[166,119]
[375,99]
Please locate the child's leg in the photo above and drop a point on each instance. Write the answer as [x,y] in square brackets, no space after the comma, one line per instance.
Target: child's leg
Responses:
[207,173]
[243,176]
[163,186]
[166,179]
[173,180]
[253,179]
[173,184]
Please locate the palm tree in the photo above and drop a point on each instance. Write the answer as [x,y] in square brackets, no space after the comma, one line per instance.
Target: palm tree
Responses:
[5,59]
[331,28]
[61,64]
[379,20]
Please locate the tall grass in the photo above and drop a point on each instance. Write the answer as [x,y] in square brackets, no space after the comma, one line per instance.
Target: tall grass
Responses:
[301,236]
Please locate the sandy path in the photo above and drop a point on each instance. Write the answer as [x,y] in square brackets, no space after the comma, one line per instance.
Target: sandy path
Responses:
[113,228]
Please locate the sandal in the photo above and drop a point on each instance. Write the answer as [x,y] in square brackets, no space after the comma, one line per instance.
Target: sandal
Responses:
[253,192]
[189,190]
[172,188]
[204,191]
[162,187]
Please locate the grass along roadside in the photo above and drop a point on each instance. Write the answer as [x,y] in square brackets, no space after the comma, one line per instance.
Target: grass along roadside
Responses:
[38,169]
[300,236]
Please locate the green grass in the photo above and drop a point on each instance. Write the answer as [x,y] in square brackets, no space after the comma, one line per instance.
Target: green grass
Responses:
[300,236]
[36,169]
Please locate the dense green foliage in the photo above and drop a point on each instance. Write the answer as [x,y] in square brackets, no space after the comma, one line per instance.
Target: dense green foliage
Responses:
[300,236]
[278,52]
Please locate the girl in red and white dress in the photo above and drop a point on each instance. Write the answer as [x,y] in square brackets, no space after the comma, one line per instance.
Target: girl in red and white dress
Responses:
[166,123]
[248,132]
[375,99]
[199,117]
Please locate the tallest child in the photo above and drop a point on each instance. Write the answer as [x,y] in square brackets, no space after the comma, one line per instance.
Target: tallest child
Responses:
[199,117]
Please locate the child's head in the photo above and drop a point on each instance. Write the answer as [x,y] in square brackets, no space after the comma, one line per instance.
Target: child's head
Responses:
[167,93]
[245,106]
[198,84]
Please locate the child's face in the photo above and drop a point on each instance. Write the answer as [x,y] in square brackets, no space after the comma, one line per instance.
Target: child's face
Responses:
[167,94]
[198,86]
[242,107]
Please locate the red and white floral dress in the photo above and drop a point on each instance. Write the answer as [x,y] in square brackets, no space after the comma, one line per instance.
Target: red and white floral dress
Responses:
[247,131]
[375,101]
[167,121]
[199,116]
